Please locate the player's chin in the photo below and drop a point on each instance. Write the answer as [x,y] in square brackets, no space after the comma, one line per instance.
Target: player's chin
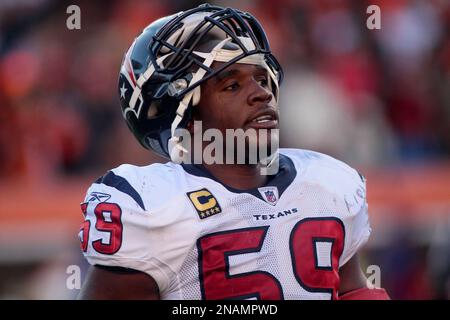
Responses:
[251,146]
[264,145]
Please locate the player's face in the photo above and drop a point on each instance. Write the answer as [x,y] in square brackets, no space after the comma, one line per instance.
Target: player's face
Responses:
[239,98]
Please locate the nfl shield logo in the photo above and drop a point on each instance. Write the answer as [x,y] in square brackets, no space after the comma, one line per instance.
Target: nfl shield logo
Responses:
[269,194]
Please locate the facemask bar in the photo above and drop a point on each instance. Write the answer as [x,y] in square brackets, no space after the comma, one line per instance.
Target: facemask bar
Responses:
[242,22]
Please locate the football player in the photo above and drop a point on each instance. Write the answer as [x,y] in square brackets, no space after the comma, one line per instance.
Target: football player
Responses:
[218,231]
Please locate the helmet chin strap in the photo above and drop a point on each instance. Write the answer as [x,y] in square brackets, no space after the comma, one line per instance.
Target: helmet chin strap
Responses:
[175,147]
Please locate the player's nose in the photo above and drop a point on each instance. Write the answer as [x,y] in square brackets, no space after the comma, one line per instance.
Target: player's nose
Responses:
[258,94]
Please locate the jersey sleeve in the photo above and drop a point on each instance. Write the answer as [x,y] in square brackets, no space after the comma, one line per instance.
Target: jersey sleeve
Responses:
[118,230]
[358,224]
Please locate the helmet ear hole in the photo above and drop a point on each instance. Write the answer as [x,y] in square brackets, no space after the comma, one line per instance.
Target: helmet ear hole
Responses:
[153,111]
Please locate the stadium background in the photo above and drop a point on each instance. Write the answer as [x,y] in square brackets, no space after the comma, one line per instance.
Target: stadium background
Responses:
[377,99]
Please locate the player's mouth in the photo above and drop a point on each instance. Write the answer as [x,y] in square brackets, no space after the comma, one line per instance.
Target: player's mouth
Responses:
[264,119]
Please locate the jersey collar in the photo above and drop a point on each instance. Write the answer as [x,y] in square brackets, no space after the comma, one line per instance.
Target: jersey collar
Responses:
[281,180]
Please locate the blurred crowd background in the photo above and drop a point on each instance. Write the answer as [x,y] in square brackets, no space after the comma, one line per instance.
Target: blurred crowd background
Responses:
[377,99]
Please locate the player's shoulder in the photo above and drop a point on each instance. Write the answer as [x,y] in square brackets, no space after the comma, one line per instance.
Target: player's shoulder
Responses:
[324,169]
[157,172]
[138,186]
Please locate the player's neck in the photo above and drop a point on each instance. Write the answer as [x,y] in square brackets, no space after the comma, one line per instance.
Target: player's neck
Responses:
[241,177]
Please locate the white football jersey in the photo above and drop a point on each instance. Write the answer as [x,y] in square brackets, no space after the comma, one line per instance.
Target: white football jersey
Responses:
[200,239]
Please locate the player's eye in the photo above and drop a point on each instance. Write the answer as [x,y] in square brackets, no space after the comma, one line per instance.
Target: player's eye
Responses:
[232,87]
[263,82]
